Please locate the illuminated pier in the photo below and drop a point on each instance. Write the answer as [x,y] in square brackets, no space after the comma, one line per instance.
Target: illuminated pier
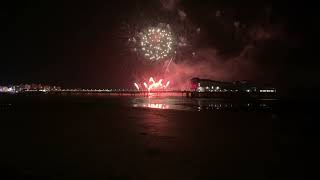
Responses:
[162,93]
[128,92]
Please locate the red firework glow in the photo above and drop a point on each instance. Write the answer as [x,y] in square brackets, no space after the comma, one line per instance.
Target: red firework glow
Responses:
[153,85]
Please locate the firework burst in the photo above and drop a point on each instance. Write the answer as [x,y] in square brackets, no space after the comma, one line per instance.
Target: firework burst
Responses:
[153,85]
[156,43]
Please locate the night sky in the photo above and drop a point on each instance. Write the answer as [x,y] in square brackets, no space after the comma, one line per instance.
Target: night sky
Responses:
[83,44]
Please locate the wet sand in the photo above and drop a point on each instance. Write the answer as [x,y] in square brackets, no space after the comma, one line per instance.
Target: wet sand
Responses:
[85,139]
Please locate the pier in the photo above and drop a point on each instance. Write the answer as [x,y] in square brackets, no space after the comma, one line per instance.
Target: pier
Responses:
[145,93]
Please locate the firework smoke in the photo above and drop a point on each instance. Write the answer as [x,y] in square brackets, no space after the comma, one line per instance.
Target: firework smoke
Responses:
[169,4]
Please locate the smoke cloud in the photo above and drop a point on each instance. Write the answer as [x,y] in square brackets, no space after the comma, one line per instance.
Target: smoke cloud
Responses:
[169,4]
[207,64]
[251,63]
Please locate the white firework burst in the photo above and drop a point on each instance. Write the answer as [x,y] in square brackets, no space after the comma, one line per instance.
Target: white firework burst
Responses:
[156,43]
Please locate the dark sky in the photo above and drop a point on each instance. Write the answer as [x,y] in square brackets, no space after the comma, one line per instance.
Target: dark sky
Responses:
[80,43]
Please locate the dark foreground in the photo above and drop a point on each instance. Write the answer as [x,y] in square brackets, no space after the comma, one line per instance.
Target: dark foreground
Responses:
[107,138]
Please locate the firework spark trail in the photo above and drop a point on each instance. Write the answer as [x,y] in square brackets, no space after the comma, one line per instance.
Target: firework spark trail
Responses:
[153,85]
[167,68]
[167,84]
[137,86]
[151,80]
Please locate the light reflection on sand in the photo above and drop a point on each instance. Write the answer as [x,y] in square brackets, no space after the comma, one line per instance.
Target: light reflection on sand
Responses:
[153,106]
[198,104]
